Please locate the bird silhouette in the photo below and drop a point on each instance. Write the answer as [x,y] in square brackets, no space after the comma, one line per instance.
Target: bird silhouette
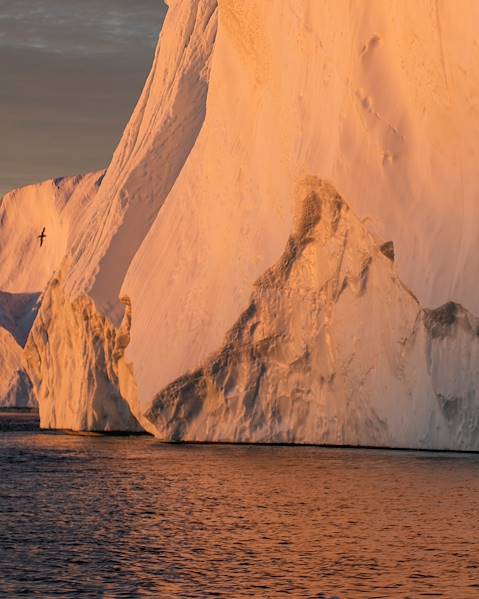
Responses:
[42,236]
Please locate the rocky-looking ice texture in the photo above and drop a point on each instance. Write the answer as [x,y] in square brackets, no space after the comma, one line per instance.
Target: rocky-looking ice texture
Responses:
[332,348]
[381,98]
[82,394]
[151,265]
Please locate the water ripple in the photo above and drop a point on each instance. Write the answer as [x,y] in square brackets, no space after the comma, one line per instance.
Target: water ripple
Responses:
[129,517]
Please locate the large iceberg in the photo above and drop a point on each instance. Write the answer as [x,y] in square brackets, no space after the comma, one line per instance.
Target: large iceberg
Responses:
[211,286]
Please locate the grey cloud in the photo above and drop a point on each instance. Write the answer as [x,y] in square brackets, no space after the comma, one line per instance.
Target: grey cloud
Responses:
[71,72]
[73,26]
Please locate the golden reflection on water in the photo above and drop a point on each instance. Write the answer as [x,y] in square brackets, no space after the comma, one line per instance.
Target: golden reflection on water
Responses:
[130,517]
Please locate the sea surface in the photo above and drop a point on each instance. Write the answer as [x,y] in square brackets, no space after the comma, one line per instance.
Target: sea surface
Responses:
[102,516]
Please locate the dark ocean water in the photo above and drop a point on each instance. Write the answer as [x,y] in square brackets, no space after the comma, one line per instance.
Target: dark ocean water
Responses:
[112,517]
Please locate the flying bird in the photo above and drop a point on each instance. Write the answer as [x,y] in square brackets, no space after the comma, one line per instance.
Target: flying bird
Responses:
[42,236]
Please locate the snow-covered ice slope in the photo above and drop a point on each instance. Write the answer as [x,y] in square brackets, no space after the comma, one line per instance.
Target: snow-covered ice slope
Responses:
[332,348]
[25,268]
[150,155]
[381,98]
[55,205]
[74,358]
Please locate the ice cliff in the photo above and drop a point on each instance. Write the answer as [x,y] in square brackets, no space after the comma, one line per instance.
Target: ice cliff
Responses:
[210,286]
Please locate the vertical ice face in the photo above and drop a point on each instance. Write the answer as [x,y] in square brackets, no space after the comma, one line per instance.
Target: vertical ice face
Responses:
[150,156]
[379,98]
[74,361]
[73,358]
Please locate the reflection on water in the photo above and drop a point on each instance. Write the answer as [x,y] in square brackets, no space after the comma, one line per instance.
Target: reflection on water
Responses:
[130,517]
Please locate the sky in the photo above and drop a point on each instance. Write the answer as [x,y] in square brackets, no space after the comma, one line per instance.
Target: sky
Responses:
[71,72]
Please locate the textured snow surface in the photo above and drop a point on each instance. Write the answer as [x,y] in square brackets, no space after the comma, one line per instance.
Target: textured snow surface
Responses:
[164,294]
[381,98]
[332,348]
[152,152]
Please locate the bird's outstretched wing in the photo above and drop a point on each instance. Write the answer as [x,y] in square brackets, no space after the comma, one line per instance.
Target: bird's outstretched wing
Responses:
[42,236]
